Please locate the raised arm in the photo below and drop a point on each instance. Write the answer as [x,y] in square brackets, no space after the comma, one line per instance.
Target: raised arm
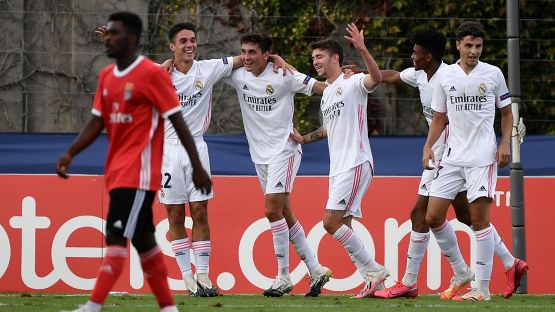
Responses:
[88,135]
[356,37]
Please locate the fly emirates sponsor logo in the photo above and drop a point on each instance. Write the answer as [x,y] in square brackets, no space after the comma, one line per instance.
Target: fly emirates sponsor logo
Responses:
[259,104]
[189,100]
[117,117]
[333,111]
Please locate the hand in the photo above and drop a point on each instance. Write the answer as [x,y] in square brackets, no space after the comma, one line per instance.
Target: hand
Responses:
[427,156]
[296,136]
[503,155]
[167,65]
[62,165]
[101,32]
[355,37]
[202,181]
[281,63]
[353,69]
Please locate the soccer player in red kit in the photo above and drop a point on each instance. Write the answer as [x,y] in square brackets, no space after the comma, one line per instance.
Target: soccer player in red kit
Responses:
[133,96]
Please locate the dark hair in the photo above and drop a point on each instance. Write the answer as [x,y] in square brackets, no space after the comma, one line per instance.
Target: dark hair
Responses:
[179,27]
[432,40]
[263,41]
[470,28]
[131,21]
[330,45]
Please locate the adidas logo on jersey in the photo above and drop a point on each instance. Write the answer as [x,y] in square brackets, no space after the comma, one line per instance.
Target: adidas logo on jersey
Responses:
[279,184]
[452,88]
[342,202]
[482,189]
[245,87]
[424,187]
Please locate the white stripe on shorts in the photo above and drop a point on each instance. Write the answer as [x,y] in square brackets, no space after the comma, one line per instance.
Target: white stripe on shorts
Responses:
[134,214]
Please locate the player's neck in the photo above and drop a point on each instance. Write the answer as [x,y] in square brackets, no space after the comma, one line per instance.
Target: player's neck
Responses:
[467,68]
[430,71]
[259,70]
[123,62]
[183,66]
[333,77]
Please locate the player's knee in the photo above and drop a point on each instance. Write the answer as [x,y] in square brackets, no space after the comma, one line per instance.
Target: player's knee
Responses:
[199,216]
[143,242]
[330,225]
[434,221]
[176,216]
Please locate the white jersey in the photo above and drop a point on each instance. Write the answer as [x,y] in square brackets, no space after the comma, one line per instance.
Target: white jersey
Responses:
[419,79]
[470,101]
[343,106]
[194,91]
[267,107]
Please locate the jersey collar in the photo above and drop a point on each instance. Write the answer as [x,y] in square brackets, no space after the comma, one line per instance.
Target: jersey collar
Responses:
[120,73]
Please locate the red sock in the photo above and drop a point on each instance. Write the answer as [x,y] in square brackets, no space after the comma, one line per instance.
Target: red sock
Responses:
[109,271]
[156,274]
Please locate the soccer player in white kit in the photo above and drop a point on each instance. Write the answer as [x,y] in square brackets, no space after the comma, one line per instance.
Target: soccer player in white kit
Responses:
[343,107]
[468,91]
[427,55]
[267,107]
[193,81]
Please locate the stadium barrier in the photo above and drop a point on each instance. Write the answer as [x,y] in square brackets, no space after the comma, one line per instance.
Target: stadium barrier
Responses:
[51,235]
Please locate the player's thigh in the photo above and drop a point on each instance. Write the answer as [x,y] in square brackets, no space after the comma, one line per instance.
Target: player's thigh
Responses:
[481,182]
[347,189]
[194,194]
[173,189]
[282,174]
[426,182]
[447,182]
[130,212]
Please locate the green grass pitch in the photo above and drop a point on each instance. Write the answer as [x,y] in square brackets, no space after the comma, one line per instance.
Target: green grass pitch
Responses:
[22,302]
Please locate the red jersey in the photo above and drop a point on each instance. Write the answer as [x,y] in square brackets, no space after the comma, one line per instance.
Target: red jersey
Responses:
[132,103]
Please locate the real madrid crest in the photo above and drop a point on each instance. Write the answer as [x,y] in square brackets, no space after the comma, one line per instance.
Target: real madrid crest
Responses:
[482,88]
[128,91]
[269,89]
[198,85]
[339,91]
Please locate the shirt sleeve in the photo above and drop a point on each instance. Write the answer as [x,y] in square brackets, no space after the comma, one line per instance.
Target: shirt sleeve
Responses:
[502,95]
[409,77]
[218,68]
[299,82]
[439,99]
[161,93]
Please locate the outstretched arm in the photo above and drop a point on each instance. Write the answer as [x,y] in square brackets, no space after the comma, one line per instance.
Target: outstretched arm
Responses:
[356,37]
[88,135]
[391,76]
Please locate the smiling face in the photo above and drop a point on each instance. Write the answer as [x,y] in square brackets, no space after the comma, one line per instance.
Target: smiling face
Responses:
[184,46]
[254,59]
[470,49]
[323,61]
[421,58]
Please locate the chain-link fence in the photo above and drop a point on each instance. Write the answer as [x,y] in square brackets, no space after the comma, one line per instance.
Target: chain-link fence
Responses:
[50,57]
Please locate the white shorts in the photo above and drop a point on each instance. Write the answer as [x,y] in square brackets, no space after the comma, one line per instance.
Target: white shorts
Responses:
[177,174]
[478,181]
[278,177]
[347,189]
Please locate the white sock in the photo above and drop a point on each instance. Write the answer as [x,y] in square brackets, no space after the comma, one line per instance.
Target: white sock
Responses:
[447,241]
[501,250]
[484,258]
[280,234]
[93,306]
[181,249]
[298,239]
[354,246]
[417,247]
[202,251]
